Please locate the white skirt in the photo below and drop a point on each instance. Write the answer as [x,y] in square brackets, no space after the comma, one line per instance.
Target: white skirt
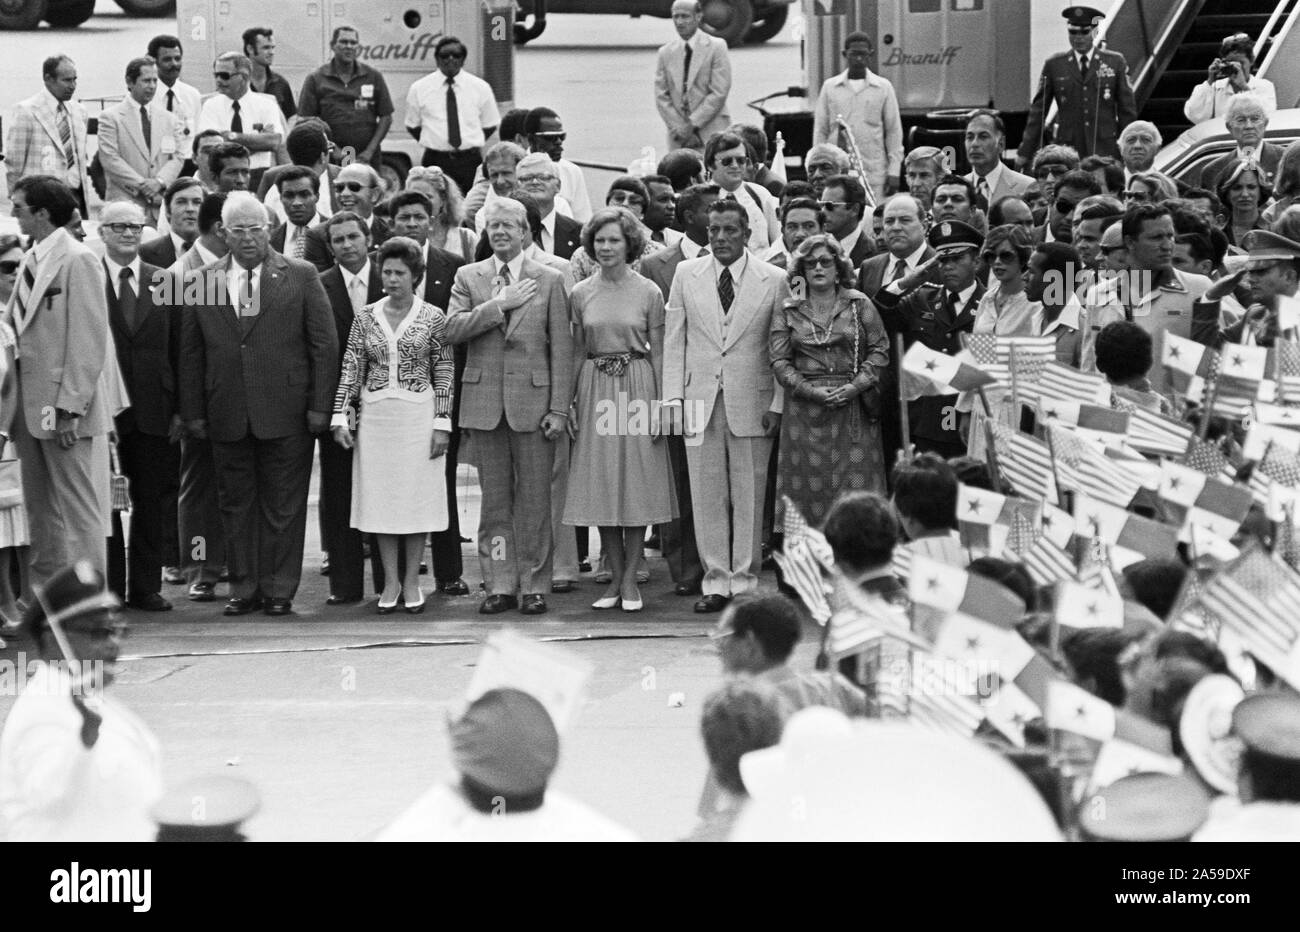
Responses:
[396,488]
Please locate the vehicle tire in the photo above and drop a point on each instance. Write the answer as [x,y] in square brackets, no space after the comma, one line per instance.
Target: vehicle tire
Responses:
[392,169]
[67,14]
[21,14]
[770,26]
[525,34]
[148,7]
[728,19]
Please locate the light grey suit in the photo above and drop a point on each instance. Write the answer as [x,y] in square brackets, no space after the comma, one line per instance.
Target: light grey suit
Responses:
[702,101]
[128,162]
[32,146]
[718,365]
[1011,183]
[517,369]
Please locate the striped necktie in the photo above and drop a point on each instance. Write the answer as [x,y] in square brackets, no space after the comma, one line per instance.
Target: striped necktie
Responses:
[25,285]
[65,136]
[299,242]
[726,290]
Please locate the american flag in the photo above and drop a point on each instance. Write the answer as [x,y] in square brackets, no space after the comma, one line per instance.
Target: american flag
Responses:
[1091,471]
[1025,462]
[1258,599]
[1047,563]
[864,619]
[804,555]
[902,562]
[1205,456]
[1238,371]
[1275,478]
[1288,371]
[944,711]
[1153,433]
[1069,384]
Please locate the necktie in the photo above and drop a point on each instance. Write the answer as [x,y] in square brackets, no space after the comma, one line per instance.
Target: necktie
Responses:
[299,241]
[505,283]
[65,136]
[453,117]
[1083,65]
[236,121]
[726,290]
[171,100]
[25,286]
[686,69]
[146,128]
[357,292]
[126,298]
[900,269]
[982,189]
[246,292]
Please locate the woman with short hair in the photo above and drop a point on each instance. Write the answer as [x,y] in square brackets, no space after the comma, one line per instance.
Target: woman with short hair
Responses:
[398,363]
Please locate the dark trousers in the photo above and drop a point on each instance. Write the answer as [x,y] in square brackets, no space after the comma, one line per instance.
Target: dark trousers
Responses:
[262,485]
[678,537]
[202,536]
[459,165]
[339,538]
[152,468]
[444,547]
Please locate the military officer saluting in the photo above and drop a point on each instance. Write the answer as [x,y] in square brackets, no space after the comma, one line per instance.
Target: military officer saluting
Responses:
[937,315]
[1094,101]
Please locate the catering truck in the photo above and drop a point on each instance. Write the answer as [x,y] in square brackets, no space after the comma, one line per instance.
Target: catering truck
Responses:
[397,37]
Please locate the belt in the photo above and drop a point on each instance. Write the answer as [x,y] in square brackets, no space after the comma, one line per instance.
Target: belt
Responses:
[614,364]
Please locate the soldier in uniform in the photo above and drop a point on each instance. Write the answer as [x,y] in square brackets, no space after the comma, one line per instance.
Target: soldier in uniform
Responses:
[937,315]
[1094,101]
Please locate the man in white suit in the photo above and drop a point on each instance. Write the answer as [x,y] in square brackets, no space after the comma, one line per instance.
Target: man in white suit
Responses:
[992,179]
[48,135]
[140,148]
[692,81]
[719,389]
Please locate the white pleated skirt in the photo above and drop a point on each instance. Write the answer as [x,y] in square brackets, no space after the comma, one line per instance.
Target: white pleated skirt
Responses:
[396,488]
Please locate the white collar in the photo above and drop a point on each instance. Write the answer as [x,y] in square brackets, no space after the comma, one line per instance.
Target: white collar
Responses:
[991,178]
[363,276]
[46,246]
[1069,316]
[54,103]
[1252,154]
[690,248]
[964,296]
[851,241]
[843,77]
[178,242]
[737,268]
[515,265]
[115,272]
[204,253]
[911,261]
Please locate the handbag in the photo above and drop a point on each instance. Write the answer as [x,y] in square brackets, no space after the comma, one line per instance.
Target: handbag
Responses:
[121,486]
[869,399]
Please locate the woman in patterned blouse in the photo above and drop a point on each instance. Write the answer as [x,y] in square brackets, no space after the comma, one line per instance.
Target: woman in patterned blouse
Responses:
[399,363]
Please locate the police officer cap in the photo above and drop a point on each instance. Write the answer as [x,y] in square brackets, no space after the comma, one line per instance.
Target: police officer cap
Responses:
[1145,807]
[1082,15]
[207,808]
[70,593]
[1265,247]
[1270,724]
[950,237]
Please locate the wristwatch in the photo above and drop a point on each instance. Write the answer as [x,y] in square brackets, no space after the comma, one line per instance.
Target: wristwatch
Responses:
[65,415]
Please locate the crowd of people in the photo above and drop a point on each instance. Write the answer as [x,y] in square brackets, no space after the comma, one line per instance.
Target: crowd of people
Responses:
[826,370]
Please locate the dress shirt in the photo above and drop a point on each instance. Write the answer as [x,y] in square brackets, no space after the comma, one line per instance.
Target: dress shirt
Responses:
[187,103]
[515,265]
[1017,317]
[324,199]
[991,179]
[850,242]
[350,281]
[912,263]
[115,273]
[234,282]
[426,110]
[254,110]
[573,188]
[1211,100]
[872,115]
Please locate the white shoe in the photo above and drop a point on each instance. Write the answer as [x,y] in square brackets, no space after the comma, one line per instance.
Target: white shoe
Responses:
[633,605]
[609,602]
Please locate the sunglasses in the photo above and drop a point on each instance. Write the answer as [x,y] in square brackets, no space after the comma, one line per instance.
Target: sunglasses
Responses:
[618,199]
[353,186]
[1000,257]
[1053,171]
[733,160]
[225,75]
[9,266]
[557,136]
[1080,30]
[451,56]
[123,228]
[832,205]
[1065,207]
[822,262]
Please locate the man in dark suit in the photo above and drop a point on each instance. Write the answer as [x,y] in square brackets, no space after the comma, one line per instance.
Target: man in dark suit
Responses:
[259,365]
[937,316]
[301,236]
[147,432]
[181,201]
[1094,100]
[903,235]
[539,178]
[412,215]
[350,284]
[844,205]
[677,537]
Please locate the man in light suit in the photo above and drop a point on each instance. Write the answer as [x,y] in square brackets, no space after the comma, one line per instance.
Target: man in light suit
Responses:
[58,313]
[677,537]
[139,148]
[36,143]
[259,365]
[992,179]
[515,396]
[719,389]
[692,81]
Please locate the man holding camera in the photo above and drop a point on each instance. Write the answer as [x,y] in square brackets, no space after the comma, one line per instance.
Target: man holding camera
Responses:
[1229,75]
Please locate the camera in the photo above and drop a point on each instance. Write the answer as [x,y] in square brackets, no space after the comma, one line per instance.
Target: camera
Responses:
[1224,69]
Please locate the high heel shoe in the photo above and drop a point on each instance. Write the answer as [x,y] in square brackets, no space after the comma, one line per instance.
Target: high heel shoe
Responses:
[387,608]
[418,607]
[605,603]
[633,605]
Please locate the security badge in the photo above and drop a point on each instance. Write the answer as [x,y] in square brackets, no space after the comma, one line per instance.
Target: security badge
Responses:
[367,91]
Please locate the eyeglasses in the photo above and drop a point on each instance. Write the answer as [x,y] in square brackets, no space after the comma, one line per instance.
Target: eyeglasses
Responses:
[451,56]
[1136,196]
[529,179]
[822,262]
[225,75]
[1052,170]
[732,160]
[619,198]
[124,228]
[1064,207]
[832,205]
[9,266]
[352,186]
[1004,256]
[554,136]
[242,232]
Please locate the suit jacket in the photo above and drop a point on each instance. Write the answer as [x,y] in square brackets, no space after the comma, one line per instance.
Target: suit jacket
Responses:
[1011,183]
[160,251]
[568,236]
[63,342]
[144,355]
[1090,113]
[703,100]
[520,368]
[316,250]
[703,354]
[1217,171]
[871,277]
[265,382]
[440,267]
[127,162]
[341,302]
[33,147]
[661,266]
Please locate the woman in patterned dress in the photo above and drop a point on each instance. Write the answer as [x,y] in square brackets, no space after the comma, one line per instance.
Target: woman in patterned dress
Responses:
[830,351]
[399,363]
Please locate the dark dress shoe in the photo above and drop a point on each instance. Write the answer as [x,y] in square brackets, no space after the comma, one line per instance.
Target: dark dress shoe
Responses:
[242,606]
[150,602]
[533,604]
[278,607]
[687,589]
[342,600]
[455,587]
[584,566]
[203,592]
[496,604]
[711,603]
[562,585]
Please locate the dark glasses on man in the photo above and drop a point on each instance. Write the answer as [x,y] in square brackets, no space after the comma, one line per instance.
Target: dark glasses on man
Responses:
[353,186]
[732,160]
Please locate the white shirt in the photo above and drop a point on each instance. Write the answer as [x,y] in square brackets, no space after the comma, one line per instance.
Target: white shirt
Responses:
[991,179]
[911,263]
[850,242]
[737,270]
[254,110]
[426,110]
[187,103]
[515,265]
[115,272]
[351,281]
[443,814]
[235,277]
[1211,100]
[204,254]
[573,188]
[53,788]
